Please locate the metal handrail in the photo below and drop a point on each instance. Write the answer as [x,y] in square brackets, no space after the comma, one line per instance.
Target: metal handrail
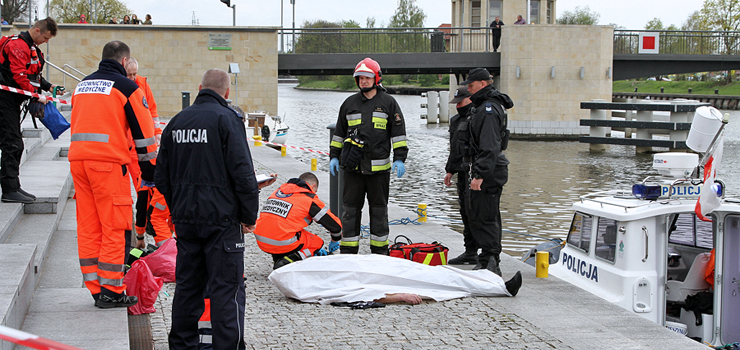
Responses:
[64,77]
[74,69]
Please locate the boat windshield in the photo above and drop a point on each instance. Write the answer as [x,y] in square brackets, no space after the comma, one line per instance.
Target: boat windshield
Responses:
[579,234]
[686,229]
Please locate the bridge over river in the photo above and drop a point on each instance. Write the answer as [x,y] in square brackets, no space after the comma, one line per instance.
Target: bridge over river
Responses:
[457,50]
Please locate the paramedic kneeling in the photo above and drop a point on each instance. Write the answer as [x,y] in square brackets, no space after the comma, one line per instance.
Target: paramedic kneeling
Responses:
[281,226]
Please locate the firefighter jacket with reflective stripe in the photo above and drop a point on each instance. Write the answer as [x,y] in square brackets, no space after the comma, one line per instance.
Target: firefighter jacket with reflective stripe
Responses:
[204,167]
[287,212]
[21,64]
[144,85]
[377,121]
[107,107]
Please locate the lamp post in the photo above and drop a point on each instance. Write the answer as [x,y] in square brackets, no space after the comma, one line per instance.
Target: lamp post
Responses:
[233,7]
[282,30]
[292,2]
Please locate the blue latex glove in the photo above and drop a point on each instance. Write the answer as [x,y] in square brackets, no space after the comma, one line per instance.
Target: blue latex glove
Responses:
[399,168]
[333,247]
[334,166]
[321,252]
[147,184]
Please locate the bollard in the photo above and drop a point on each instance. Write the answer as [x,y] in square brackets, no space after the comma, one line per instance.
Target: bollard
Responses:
[283,151]
[336,184]
[716,91]
[542,262]
[185,99]
[421,212]
[661,90]
[257,140]
[314,164]
[635,89]
[689,90]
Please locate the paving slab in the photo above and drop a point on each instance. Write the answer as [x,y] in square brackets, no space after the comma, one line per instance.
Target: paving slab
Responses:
[36,229]
[17,281]
[10,215]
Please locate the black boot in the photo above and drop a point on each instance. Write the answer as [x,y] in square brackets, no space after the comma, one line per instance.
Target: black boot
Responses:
[16,197]
[493,266]
[464,259]
[513,285]
[121,300]
[26,193]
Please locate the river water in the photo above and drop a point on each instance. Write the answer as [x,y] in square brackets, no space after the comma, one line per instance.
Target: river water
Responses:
[545,178]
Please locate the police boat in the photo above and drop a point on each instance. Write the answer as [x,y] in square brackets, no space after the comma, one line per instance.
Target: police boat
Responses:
[273,128]
[648,251]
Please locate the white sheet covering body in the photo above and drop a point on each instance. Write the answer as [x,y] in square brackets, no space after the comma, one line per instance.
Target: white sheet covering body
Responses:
[350,278]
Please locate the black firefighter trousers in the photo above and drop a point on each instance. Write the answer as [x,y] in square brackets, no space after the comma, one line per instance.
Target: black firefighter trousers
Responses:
[356,187]
[11,140]
[210,255]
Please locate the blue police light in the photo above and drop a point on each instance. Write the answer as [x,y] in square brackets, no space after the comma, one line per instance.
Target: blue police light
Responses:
[642,191]
[719,189]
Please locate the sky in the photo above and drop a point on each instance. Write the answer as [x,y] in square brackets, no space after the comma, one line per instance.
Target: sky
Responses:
[631,14]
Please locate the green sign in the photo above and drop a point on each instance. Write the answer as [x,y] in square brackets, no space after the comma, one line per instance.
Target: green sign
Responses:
[219,41]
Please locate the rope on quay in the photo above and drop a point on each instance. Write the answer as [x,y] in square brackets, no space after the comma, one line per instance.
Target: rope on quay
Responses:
[288,146]
[32,94]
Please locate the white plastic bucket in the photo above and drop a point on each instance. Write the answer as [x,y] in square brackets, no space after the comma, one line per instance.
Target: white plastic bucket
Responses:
[679,328]
[707,122]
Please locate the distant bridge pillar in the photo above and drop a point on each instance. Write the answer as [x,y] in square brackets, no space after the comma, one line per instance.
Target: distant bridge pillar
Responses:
[432,107]
[681,117]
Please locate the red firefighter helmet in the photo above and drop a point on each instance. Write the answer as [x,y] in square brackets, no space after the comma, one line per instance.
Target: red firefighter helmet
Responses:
[368,68]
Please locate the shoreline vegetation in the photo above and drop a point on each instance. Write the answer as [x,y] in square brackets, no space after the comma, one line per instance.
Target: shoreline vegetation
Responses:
[669,87]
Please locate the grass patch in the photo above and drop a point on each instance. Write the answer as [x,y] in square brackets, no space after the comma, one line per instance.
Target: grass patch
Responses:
[320,84]
[677,87]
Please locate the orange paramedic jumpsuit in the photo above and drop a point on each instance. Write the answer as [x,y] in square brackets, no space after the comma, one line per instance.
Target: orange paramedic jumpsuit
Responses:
[280,226]
[107,108]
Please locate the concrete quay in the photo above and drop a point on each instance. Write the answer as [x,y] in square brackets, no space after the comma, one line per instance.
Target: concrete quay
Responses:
[546,314]
[41,289]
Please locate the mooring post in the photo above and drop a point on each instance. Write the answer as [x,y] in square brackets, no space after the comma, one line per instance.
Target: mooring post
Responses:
[644,134]
[597,131]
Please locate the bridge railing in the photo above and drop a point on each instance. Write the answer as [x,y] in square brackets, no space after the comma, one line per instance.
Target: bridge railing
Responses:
[387,40]
[682,42]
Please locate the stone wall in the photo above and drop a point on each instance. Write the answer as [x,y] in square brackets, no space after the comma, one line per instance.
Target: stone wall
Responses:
[173,58]
[547,106]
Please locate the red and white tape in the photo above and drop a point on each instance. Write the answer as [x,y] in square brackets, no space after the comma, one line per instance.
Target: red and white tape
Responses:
[31,341]
[288,146]
[28,93]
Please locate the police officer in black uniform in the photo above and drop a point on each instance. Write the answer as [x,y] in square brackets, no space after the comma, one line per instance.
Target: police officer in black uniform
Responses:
[205,172]
[455,165]
[482,138]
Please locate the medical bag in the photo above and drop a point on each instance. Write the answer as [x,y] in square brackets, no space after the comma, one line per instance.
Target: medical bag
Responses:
[425,253]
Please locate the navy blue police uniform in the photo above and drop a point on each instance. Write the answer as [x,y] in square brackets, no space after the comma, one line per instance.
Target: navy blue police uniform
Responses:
[483,139]
[205,172]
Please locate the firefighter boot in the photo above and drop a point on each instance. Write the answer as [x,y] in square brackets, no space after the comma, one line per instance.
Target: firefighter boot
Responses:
[106,302]
[513,285]
[465,259]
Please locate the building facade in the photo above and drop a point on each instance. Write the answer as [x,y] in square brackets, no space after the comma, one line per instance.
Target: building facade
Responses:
[480,13]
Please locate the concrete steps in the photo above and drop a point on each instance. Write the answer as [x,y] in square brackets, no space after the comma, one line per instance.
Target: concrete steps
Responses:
[41,288]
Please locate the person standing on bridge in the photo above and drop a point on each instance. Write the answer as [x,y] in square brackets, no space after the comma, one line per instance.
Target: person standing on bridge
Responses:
[21,65]
[369,125]
[496,32]
[482,139]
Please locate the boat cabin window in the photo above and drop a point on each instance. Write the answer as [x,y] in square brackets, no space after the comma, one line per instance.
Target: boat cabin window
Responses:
[606,239]
[580,231]
[687,229]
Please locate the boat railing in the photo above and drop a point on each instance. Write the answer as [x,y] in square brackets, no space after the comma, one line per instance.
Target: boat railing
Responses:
[596,197]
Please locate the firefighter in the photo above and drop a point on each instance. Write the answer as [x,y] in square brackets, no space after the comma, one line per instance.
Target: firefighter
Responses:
[98,156]
[369,126]
[205,172]
[21,65]
[281,226]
